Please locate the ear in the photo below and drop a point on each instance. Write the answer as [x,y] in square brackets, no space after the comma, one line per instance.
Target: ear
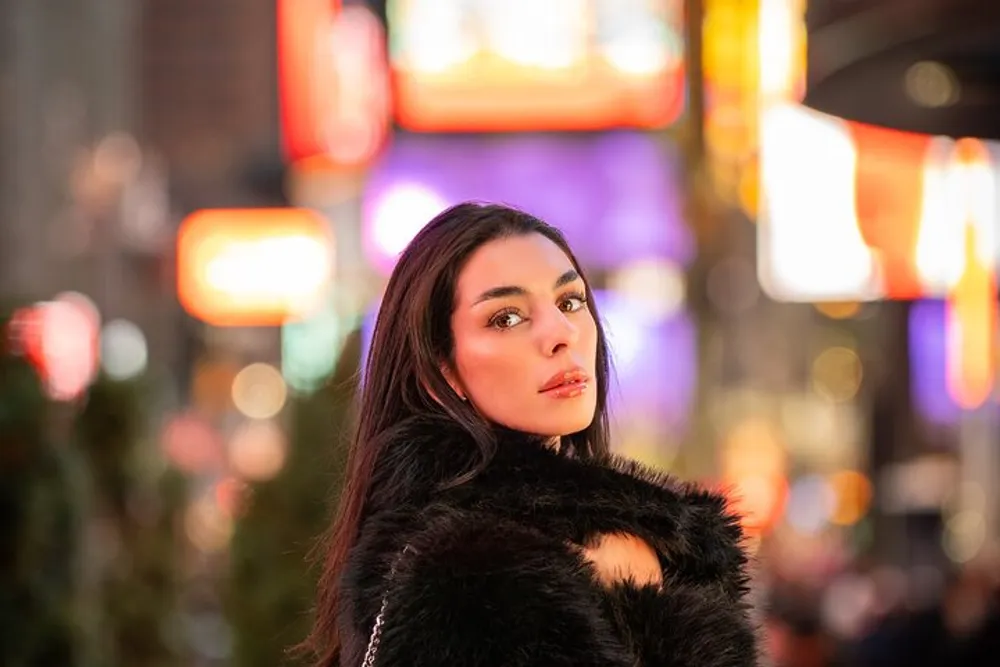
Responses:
[451,377]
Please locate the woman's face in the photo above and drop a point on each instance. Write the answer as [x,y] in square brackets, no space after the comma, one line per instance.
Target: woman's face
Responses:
[525,341]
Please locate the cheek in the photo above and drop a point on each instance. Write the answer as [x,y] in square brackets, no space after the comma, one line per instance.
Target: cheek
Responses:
[588,337]
[495,372]
[487,363]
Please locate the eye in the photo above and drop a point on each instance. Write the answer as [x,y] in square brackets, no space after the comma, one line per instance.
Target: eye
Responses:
[506,319]
[572,303]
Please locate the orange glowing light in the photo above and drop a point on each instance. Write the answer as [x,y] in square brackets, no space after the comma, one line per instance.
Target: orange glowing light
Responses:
[889,180]
[590,98]
[853,493]
[753,464]
[730,51]
[838,310]
[758,499]
[970,331]
[253,267]
[971,320]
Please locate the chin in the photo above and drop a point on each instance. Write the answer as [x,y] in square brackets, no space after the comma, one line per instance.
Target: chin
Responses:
[550,419]
[565,425]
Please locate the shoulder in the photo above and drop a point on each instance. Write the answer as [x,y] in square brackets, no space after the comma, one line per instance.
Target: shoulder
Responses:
[469,547]
[480,590]
[450,558]
[417,456]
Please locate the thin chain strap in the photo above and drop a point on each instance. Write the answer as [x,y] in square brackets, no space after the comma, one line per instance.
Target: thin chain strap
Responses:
[376,636]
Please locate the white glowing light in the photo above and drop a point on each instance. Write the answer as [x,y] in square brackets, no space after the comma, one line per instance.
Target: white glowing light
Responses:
[780,27]
[811,243]
[299,269]
[124,353]
[940,251]
[401,214]
[440,43]
[547,35]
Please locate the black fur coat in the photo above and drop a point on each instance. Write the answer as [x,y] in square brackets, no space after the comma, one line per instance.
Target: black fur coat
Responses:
[489,579]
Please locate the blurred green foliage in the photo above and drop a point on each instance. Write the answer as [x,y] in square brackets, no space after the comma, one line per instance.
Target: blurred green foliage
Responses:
[137,507]
[42,506]
[272,585]
[89,542]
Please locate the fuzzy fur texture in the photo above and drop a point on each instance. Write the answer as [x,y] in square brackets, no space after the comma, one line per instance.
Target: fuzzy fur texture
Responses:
[491,581]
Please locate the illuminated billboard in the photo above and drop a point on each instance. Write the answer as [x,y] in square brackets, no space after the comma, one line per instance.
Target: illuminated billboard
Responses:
[522,65]
[253,267]
[615,195]
[852,212]
[333,82]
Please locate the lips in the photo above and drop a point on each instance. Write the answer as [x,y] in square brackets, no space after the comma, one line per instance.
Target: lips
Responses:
[565,380]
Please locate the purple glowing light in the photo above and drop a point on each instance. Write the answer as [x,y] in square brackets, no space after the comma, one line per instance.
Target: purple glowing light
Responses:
[614,195]
[928,363]
[655,361]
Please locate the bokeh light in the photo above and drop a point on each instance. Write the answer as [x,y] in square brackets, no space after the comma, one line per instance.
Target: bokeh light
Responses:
[753,466]
[191,444]
[259,391]
[811,504]
[853,496]
[124,353]
[398,215]
[837,373]
[61,338]
[207,526]
[257,450]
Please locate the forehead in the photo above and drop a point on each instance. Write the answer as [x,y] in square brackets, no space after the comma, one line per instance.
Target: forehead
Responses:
[530,261]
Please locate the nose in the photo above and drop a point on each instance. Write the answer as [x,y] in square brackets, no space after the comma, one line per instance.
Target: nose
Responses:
[556,332]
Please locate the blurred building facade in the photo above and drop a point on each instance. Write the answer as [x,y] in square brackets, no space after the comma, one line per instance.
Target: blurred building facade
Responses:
[120,118]
[61,96]
[208,94]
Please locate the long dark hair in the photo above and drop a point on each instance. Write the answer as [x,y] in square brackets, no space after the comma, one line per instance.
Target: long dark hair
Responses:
[403,378]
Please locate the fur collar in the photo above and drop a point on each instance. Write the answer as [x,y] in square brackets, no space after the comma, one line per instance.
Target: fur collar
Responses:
[529,482]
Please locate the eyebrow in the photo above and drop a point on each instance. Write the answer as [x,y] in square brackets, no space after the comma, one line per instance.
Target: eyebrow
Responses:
[515,290]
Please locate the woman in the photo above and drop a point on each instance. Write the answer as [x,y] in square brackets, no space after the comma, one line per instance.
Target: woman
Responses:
[484,521]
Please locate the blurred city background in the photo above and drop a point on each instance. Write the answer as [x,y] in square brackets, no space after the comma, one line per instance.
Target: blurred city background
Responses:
[789,211]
